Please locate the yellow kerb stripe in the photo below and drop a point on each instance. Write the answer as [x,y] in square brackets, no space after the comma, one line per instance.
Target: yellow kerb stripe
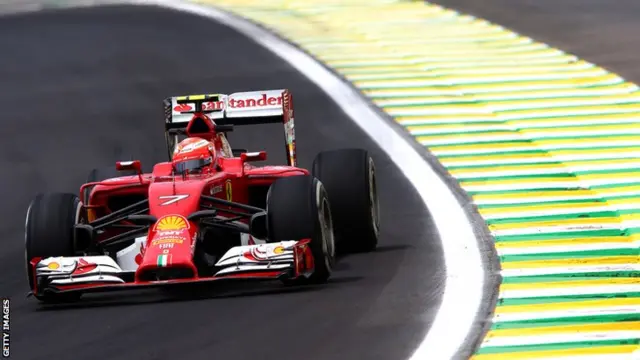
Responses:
[555,354]
[613,281]
[566,329]
[566,242]
[593,261]
[569,305]
[541,207]
[536,194]
[558,222]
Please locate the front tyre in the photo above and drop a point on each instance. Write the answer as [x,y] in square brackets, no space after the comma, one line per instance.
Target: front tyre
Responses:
[49,232]
[298,208]
[349,177]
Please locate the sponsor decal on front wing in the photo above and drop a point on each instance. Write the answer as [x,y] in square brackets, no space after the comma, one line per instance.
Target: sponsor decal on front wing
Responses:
[261,253]
[65,270]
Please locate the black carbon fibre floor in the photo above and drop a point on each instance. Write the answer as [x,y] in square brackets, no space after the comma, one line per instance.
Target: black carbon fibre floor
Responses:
[83,88]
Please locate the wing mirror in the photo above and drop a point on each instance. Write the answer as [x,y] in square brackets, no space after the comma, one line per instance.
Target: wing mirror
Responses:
[253,156]
[130,165]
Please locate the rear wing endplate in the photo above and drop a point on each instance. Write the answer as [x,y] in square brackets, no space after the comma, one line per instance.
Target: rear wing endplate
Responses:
[242,108]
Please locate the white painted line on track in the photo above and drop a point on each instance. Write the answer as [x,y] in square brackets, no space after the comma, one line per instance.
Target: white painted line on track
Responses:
[464,267]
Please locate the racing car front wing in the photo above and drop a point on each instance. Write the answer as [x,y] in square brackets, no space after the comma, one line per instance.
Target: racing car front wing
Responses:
[273,261]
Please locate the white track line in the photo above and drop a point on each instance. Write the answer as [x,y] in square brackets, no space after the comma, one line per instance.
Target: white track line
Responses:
[464,268]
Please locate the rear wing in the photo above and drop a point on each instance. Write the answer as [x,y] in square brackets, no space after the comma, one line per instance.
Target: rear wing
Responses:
[237,109]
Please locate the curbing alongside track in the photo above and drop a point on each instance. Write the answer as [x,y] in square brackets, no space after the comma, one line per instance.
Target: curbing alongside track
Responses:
[543,141]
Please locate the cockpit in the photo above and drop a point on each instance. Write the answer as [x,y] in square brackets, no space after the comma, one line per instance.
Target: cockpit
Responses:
[194,166]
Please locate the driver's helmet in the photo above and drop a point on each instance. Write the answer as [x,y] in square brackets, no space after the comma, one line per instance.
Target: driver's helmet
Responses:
[193,156]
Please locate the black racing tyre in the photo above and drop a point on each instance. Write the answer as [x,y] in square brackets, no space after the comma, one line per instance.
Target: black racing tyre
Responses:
[49,232]
[298,208]
[349,177]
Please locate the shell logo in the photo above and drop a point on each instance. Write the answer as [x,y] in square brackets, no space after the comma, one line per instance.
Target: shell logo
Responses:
[278,250]
[172,222]
[53,266]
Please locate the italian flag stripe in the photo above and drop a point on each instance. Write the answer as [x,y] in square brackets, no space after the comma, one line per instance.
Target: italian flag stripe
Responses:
[162,260]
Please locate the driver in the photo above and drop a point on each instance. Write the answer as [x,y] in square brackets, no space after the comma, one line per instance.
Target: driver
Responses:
[194,156]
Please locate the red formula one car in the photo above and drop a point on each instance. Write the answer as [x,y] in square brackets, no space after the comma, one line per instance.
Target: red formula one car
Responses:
[206,214]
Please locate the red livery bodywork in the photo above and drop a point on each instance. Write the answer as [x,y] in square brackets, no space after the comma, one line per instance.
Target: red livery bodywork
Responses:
[167,203]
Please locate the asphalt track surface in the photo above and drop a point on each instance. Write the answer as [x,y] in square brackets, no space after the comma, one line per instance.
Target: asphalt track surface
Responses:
[83,88]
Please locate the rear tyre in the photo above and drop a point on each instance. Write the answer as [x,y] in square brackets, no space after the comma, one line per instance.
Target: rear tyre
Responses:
[349,177]
[49,232]
[298,208]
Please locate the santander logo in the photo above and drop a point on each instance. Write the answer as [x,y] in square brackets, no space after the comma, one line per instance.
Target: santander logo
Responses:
[261,100]
[183,107]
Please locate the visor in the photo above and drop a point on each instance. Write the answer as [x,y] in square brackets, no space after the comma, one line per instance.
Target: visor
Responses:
[192,166]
